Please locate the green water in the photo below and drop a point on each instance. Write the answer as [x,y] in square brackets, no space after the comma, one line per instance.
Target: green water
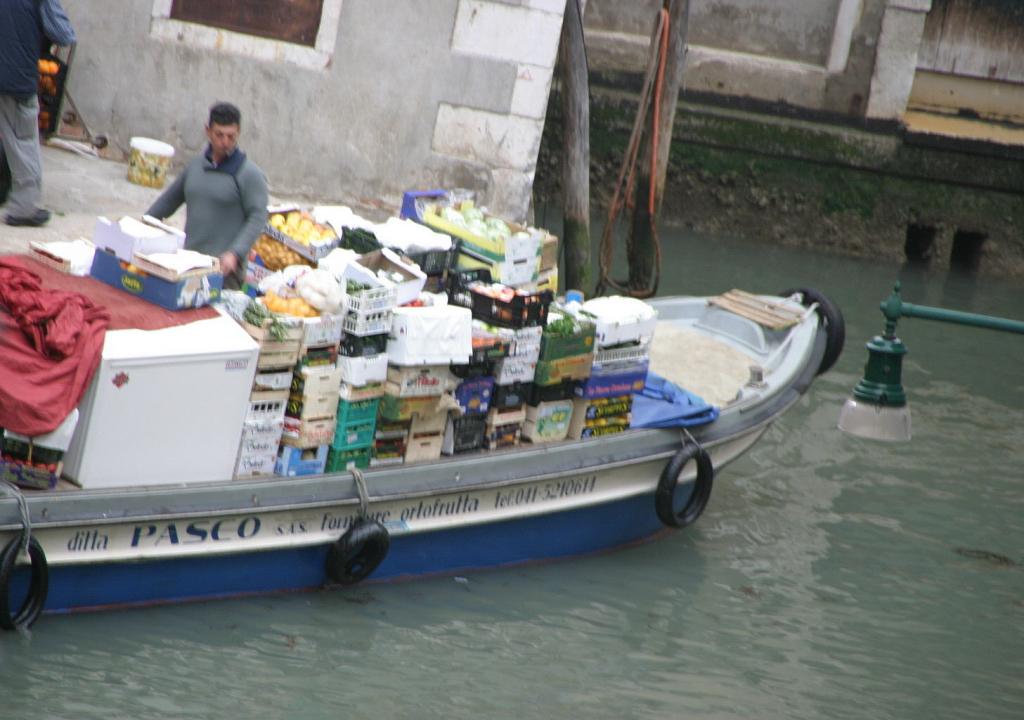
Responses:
[829,577]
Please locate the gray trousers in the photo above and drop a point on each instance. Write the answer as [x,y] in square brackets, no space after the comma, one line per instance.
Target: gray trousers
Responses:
[19,143]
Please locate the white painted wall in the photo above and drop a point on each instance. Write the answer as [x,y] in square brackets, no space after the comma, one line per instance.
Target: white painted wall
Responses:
[397,95]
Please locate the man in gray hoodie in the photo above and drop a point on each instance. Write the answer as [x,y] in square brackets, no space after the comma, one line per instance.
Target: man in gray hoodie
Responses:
[225,195]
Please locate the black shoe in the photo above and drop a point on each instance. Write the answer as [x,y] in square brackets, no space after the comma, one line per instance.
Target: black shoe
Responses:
[36,219]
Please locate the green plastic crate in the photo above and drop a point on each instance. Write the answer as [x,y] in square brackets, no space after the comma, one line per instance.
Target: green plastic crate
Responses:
[350,412]
[342,460]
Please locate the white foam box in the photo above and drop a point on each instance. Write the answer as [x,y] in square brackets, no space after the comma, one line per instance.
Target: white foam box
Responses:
[128,236]
[509,370]
[417,380]
[438,335]
[363,370]
[267,405]
[423,447]
[621,319]
[279,380]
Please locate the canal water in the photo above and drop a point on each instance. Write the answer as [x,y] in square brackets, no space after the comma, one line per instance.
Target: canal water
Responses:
[830,577]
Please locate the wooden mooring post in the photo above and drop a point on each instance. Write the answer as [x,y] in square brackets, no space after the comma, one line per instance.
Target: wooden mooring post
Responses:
[642,245]
[576,155]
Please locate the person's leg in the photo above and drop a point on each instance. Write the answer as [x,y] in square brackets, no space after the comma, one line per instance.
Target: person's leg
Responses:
[5,176]
[19,134]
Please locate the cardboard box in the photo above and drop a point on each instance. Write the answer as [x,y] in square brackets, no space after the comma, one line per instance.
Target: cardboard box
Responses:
[423,448]
[439,335]
[585,425]
[363,370]
[420,380]
[308,433]
[514,369]
[353,393]
[255,465]
[277,355]
[186,293]
[395,409]
[548,421]
[509,272]
[496,417]
[365,270]
[607,386]
[293,461]
[129,236]
[474,395]
[317,381]
[552,372]
[429,423]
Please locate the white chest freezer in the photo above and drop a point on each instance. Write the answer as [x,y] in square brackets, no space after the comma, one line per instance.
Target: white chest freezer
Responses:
[165,406]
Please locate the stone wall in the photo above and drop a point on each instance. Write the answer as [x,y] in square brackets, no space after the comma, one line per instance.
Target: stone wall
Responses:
[393,96]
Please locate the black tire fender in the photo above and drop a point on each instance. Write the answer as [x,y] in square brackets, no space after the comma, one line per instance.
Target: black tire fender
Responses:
[39,585]
[831,320]
[358,552]
[698,500]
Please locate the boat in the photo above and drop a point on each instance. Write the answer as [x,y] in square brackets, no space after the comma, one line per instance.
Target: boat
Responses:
[93,549]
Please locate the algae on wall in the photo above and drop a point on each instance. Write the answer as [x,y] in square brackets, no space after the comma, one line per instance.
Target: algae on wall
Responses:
[811,184]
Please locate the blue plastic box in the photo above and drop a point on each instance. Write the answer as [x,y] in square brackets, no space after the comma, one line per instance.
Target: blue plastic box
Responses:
[293,461]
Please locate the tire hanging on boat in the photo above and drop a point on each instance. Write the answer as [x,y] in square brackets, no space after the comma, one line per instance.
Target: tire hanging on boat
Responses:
[358,552]
[664,496]
[39,585]
[831,320]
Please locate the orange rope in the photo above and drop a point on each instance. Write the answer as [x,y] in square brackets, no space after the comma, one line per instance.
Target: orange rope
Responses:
[627,173]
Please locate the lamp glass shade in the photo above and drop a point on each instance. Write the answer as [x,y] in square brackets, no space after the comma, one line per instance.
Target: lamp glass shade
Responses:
[875,421]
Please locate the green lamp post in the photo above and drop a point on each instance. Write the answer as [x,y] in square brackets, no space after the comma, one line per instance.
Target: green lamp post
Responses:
[878,408]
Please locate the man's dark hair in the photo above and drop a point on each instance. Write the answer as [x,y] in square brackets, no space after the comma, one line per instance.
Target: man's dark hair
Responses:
[224,113]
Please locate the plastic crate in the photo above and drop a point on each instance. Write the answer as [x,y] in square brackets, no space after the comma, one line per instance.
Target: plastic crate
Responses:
[463,434]
[371,300]
[363,345]
[508,397]
[350,412]
[470,371]
[354,434]
[51,97]
[373,323]
[522,310]
[457,285]
[634,352]
[344,460]
[435,262]
[503,436]
[550,393]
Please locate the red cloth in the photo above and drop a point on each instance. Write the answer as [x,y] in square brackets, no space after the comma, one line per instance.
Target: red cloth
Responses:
[126,311]
[52,327]
[50,346]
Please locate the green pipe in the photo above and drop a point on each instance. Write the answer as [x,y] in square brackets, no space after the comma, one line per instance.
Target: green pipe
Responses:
[894,308]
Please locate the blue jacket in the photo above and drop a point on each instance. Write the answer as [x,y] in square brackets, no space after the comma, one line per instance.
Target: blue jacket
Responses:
[24,27]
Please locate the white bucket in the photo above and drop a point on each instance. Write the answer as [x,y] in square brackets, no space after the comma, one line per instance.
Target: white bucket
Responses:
[149,162]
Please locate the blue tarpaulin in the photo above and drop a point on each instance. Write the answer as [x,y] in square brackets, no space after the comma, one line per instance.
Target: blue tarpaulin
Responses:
[663,404]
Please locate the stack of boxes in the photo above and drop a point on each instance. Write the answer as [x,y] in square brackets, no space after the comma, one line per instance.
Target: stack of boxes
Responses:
[311,414]
[624,329]
[264,420]
[423,343]
[363,362]
[566,357]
